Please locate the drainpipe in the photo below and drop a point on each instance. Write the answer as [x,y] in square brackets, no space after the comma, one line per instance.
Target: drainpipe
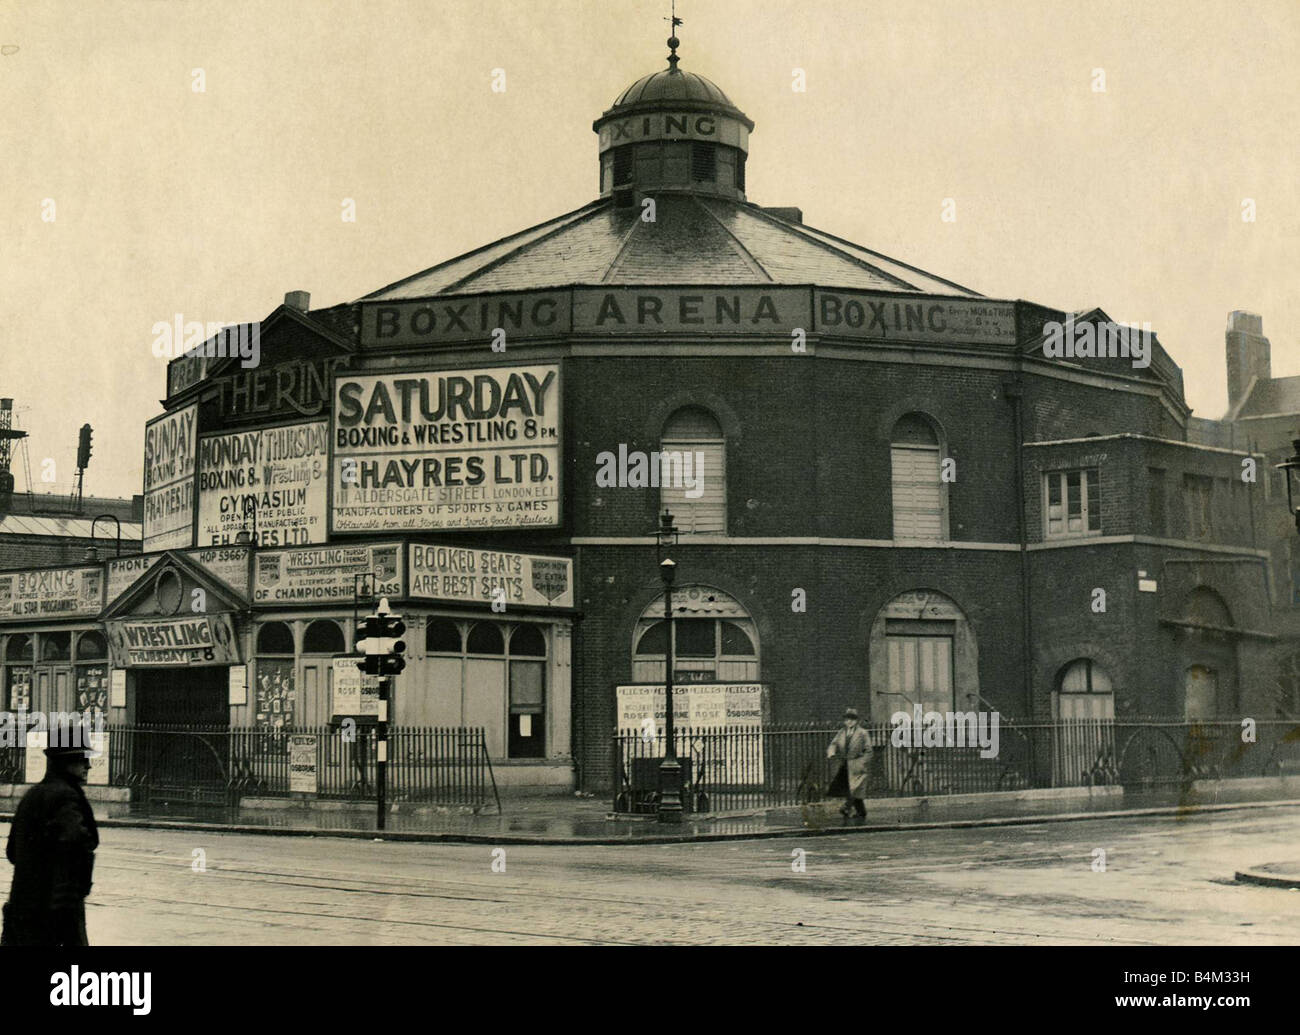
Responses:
[1013,390]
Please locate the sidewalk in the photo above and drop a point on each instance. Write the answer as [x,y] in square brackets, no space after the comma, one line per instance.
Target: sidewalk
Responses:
[581,820]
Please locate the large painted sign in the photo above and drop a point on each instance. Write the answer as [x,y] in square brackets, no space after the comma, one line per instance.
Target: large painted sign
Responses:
[51,593]
[446,320]
[482,576]
[680,125]
[169,443]
[454,449]
[747,310]
[299,387]
[327,574]
[205,639]
[860,314]
[278,472]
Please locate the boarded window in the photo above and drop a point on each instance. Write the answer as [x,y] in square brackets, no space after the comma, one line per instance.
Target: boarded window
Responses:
[918,492]
[693,472]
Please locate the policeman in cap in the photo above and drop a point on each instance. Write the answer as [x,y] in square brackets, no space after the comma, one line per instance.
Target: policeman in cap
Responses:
[52,846]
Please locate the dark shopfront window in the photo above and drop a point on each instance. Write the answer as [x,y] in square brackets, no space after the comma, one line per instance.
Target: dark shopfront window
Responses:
[92,674]
[527,692]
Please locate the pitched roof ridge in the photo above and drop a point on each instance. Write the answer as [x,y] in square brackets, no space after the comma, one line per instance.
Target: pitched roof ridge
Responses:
[825,246]
[564,220]
[745,254]
[879,255]
[622,250]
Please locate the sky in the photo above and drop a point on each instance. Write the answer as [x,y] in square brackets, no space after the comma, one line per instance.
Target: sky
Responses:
[213,203]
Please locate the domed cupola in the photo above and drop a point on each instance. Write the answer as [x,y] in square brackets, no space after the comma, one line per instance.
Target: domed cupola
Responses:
[672,131]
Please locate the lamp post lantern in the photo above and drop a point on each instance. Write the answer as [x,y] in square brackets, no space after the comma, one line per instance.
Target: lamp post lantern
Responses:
[242,538]
[1290,469]
[670,769]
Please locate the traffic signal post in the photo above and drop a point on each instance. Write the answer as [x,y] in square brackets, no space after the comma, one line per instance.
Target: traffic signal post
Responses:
[382,655]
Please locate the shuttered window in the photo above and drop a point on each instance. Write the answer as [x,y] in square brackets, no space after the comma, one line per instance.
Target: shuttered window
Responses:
[693,472]
[918,492]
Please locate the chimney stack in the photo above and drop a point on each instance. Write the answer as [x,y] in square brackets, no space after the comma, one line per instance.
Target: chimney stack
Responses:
[299,300]
[1248,354]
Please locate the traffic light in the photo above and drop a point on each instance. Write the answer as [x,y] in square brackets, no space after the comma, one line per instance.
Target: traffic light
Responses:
[83,447]
[379,642]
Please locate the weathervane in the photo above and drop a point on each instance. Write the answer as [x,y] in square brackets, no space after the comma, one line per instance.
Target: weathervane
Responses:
[673,41]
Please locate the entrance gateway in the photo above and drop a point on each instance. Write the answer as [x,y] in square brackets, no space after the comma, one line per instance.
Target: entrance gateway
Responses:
[179,747]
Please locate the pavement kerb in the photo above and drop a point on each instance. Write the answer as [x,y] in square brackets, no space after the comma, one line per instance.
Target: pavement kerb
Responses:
[447,837]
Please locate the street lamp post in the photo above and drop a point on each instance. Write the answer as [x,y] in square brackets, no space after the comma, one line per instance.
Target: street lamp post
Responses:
[92,553]
[670,769]
[1290,469]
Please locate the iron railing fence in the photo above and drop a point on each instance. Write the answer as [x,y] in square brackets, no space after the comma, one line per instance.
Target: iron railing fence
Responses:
[739,767]
[219,765]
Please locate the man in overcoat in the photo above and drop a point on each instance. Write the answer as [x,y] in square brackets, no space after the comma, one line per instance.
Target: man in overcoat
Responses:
[52,846]
[853,747]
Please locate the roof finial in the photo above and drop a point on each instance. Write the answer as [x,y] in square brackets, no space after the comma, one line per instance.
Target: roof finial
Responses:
[673,41]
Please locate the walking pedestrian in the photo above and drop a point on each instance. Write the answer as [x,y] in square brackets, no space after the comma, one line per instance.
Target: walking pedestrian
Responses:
[853,747]
[52,844]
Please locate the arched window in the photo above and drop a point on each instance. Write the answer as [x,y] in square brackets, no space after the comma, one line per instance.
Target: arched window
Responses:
[323,637]
[692,472]
[715,640]
[527,641]
[1085,739]
[56,646]
[18,690]
[274,638]
[918,493]
[442,636]
[526,735]
[92,673]
[91,647]
[1085,691]
[276,693]
[19,648]
[485,638]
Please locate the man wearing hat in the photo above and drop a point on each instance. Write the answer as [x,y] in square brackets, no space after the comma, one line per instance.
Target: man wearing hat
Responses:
[52,846]
[853,747]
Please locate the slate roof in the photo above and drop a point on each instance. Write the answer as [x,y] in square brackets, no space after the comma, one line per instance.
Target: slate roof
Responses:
[61,527]
[694,239]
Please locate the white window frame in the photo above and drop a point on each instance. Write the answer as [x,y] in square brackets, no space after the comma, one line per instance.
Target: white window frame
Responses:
[1065,531]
